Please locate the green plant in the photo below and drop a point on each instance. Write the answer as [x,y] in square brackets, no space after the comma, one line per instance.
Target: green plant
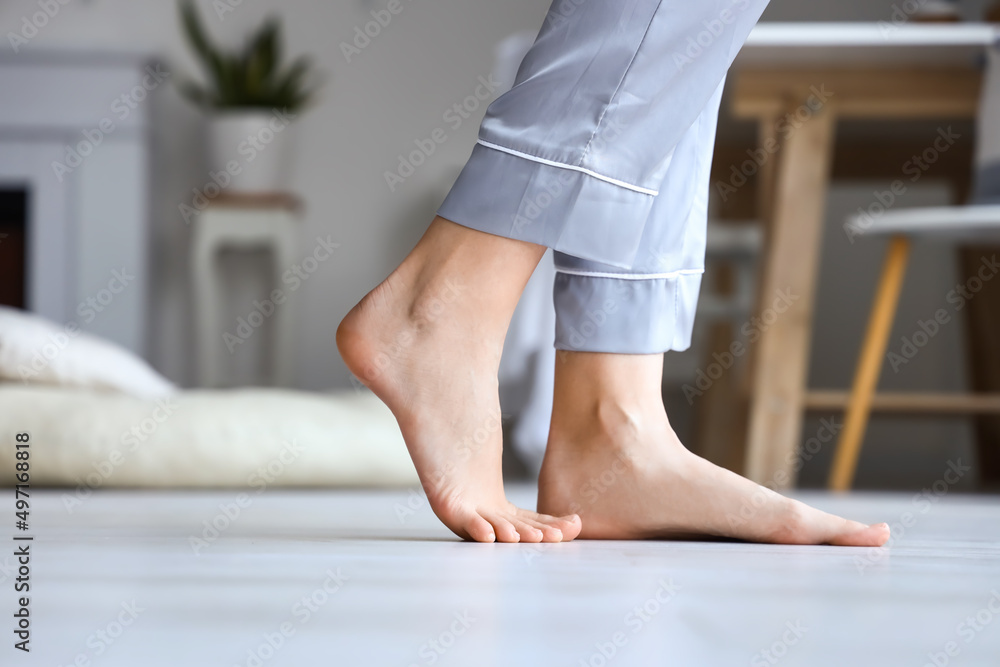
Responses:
[250,77]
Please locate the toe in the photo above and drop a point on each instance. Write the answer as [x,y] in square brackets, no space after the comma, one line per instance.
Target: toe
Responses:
[875,535]
[527,530]
[504,529]
[814,526]
[569,526]
[479,529]
[549,533]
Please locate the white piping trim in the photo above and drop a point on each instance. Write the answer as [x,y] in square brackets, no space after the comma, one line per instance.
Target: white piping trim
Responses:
[588,172]
[631,276]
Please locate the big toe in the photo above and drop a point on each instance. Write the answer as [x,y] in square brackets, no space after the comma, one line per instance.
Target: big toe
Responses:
[478,529]
[569,526]
[813,526]
[860,535]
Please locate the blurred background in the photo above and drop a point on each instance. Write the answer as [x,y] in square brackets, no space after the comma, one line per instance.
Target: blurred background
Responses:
[341,189]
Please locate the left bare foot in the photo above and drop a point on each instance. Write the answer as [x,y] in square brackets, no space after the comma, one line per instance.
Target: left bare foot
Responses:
[427,341]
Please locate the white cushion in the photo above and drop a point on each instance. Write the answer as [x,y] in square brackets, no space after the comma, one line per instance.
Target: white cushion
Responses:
[250,439]
[35,350]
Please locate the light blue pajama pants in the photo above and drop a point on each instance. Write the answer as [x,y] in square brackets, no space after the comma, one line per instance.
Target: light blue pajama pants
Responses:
[602,151]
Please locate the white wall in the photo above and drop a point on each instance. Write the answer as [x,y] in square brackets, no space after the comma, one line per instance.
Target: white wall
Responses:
[395,91]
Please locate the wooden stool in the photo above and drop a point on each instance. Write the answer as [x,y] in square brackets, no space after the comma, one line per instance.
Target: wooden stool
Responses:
[963,223]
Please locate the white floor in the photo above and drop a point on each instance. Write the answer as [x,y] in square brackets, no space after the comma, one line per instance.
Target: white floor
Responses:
[390,586]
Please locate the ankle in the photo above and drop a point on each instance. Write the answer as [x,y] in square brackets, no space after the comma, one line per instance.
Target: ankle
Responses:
[431,300]
[599,414]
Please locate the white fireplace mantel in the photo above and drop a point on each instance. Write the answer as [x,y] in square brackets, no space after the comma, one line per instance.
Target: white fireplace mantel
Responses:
[89,223]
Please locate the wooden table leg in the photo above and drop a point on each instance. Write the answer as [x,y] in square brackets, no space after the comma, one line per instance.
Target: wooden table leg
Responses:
[769,140]
[723,410]
[782,351]
[768,137]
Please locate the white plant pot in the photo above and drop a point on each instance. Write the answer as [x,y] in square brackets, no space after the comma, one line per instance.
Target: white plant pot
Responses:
[252,147]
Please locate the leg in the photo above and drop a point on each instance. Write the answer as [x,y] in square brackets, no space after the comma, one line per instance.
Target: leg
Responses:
[845,459]
[612,456]
[208,302]
[573,156]
[613,459]
[565,160]
[782,353]
[284,341]
[427,341]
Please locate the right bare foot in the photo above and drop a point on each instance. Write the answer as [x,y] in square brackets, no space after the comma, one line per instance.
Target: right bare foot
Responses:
[427,341]
[613,458]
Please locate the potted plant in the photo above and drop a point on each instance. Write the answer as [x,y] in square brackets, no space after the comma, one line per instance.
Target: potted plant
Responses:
[251,96]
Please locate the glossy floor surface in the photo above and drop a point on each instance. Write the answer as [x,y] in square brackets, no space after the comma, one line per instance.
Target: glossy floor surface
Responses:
[371,578]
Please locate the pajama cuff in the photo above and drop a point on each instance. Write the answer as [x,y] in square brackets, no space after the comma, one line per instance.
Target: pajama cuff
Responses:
[564,207]
[633,315]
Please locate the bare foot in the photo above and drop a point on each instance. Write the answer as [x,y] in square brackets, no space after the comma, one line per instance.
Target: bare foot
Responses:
[427,341]
[613,458]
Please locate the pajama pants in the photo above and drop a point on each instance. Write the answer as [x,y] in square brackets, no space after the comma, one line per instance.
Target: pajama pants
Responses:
[602,152]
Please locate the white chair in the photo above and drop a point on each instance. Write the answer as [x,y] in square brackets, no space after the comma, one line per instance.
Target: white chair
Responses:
[955,224]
